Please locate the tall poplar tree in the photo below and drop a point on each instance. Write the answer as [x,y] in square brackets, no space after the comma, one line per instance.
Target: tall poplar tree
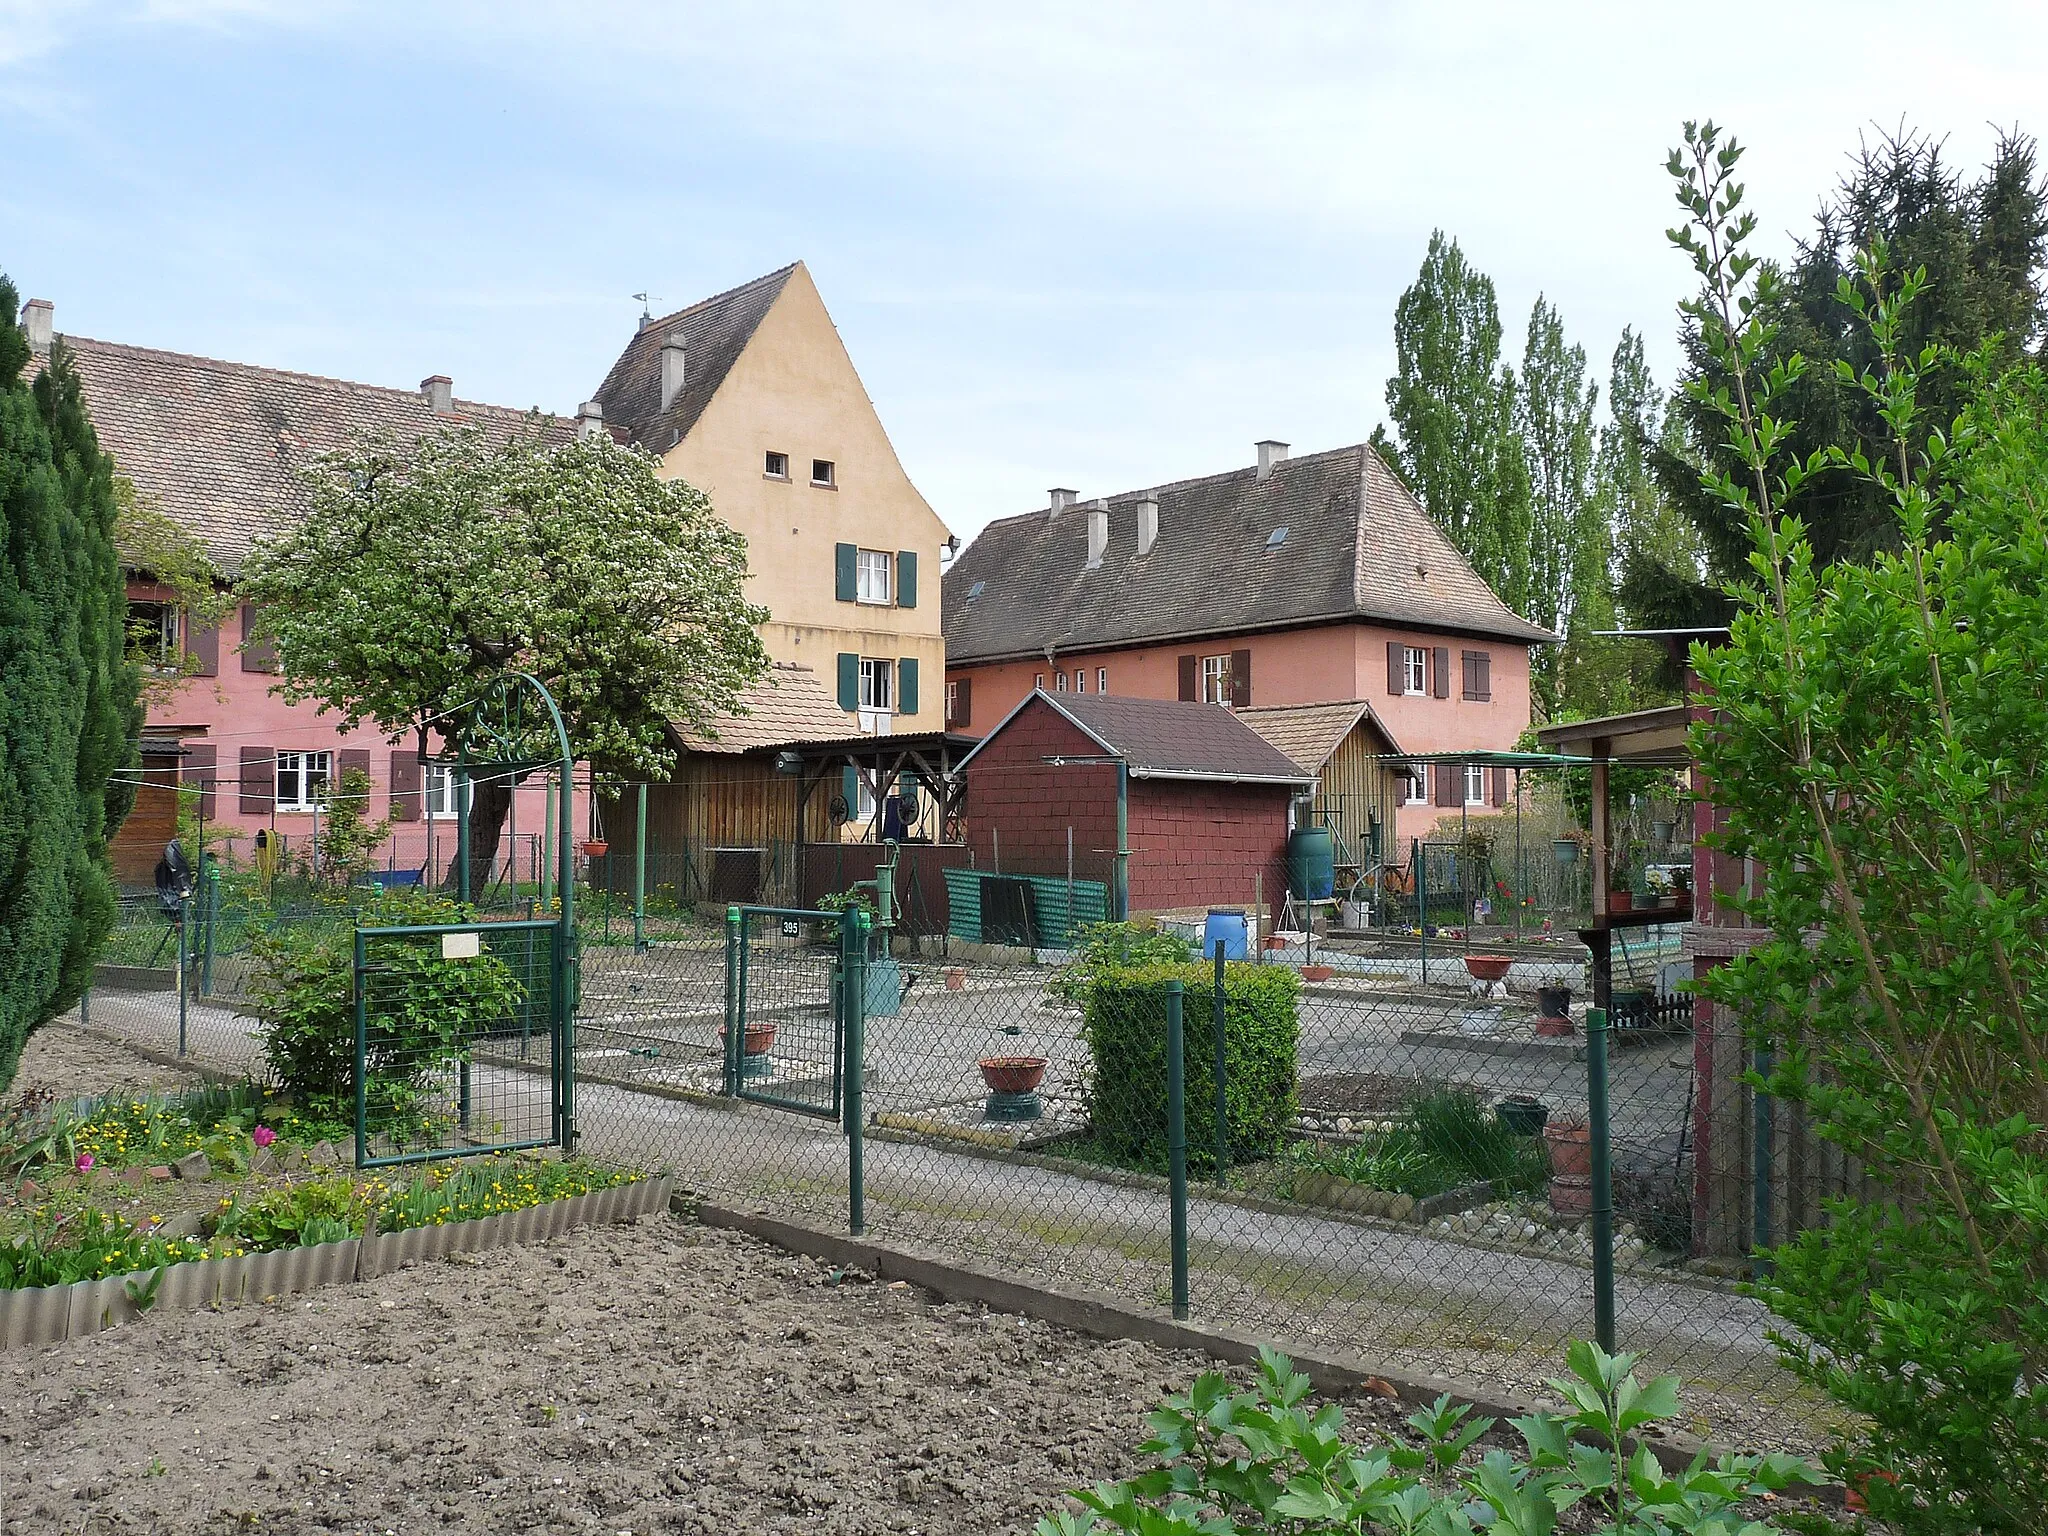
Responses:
[1568,590]
[1453,405]
[68,712]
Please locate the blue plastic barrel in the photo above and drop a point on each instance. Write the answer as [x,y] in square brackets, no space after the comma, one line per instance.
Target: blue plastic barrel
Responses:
[1312,863]
[1229,930]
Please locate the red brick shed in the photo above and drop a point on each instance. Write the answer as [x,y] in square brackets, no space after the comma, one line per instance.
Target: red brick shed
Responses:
[1171,804]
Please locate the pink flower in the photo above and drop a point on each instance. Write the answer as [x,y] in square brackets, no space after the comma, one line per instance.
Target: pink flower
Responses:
[84,1161]
[263,1136]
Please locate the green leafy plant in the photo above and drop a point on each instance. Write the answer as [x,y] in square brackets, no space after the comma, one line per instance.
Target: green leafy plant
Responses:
[1267,1461]
[1445,1140]
[62,1248]
[349,839]
[1871,749]
[1104,947]
[1124,1026]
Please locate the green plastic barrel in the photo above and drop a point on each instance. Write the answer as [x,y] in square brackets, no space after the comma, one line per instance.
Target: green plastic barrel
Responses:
[1312,863]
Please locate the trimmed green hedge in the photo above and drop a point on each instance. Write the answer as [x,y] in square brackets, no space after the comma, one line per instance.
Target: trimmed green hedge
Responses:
[1124,1025]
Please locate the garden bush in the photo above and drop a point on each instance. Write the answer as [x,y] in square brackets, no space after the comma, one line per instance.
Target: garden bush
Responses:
[422,1014]
[1124,1026]
[1265,1461]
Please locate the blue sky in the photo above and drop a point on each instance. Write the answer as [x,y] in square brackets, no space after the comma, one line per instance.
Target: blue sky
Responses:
[1098,245]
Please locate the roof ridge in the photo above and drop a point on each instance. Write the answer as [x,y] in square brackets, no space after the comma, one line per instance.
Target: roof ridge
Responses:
[1185,484]
[734,291]
[292,375]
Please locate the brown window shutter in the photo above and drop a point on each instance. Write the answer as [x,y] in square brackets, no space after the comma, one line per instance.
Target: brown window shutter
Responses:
[1440,665]
[1189,679]
[964,703]
[1450,783]
[262,655]
[1482,668]
[202,644]
[202,762]
[353,757]
[1240,679]
[259,781]
[406,774]
[1500,786]
[1397,668]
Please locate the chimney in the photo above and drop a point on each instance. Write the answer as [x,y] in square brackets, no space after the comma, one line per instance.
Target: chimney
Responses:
[1148,523]
[1061,498]
[589,420]
[671,368]
[1098,532]
[1270,453]
[38,319]
[439,393]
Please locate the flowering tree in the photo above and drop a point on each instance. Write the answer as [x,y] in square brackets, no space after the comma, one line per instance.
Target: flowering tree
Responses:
[427,569]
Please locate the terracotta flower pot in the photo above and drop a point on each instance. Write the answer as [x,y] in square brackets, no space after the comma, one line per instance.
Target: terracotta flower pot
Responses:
[1317,972]
[758,1040]
[1620,901]
[1571,1148]
[1571,1195]
[956,979]
[1274,941]
[1489,968]
[594,848]
[1012,1074]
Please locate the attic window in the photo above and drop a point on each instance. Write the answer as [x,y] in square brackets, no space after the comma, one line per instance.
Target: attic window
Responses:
[1277,537]
[822,472]
[976,590]
[775,466]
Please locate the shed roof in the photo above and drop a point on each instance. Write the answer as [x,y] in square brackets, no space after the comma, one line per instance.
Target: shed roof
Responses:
[785,706]
[1309,733]
[1326,537]
[1166,738]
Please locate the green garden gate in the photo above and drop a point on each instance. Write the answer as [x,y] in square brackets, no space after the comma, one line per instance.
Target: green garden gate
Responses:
[795,987]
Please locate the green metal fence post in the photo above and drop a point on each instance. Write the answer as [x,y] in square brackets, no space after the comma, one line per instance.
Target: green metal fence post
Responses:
[1763,1156]
[209,909]
[565,956]
[362,1051]
[183,985]
[1421,903]
[640,872]
[547,862]
[1603,1178]
[853,1000]
[1177,1146]
[1222,1103]
[735,939]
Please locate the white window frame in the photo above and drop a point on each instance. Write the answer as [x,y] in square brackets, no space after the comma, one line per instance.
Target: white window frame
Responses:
[1475,784]
[768,469]
[304,768]
[952,702]
[1080,679]
[830,480]
[1059,680]
[877,685]
[863,799]
[1216,680]
[1418,786]
[166,652]
[1038,682]
[874,579]
[437,792]
[1102,679]
[1414,672]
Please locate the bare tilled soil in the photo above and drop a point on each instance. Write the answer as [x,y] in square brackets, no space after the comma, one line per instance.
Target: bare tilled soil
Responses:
[68,1062]
[651,1379]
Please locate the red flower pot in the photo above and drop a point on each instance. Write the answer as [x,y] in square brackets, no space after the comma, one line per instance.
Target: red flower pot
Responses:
[1571,1148]
[594,848]
[1317,972]
[1571,1195]
[758,1039]
[1621,901]
[1489,968]
[956,979]
[1012,1074]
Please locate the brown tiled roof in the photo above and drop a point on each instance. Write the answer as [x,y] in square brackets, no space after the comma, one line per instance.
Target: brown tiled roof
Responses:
[1358,546]
[787,706]
[1167,738]
[1309,733]
[715,331]
[217,444]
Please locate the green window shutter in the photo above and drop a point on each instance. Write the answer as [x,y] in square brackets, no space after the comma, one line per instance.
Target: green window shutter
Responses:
[906,686]
[849,677]
[849,790]
[906,578]
[843,558]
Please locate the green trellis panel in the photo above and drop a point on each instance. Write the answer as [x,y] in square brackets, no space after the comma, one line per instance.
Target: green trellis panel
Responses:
[1048,899]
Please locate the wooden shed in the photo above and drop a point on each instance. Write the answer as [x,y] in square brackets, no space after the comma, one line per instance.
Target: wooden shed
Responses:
[1358,789]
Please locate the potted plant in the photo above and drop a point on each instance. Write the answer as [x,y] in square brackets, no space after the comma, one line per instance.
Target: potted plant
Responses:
[1565,849]
[757,1039]
[1488,968]
[1012,1074]
[1522,1113]
[1317,972]
[593,847]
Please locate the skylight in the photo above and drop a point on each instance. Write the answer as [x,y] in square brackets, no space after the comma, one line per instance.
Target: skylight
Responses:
[975,591]
[1277,537]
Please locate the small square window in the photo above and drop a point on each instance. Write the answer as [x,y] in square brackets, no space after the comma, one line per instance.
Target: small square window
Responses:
[822,472]
[775,466]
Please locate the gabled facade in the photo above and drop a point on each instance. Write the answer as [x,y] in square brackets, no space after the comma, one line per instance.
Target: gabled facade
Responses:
[1297,581]
[751,397]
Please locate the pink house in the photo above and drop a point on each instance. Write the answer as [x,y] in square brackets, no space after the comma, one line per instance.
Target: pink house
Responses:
[1296,581]
[216,446]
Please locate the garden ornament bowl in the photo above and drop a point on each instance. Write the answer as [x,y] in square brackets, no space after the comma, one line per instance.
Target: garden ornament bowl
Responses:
[1012,1074]
[1489,968]
[594,848]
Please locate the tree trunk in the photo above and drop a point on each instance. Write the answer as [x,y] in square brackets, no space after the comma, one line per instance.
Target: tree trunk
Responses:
[489,804]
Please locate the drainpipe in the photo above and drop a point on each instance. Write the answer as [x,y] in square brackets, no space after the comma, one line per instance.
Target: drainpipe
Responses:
[1123,842]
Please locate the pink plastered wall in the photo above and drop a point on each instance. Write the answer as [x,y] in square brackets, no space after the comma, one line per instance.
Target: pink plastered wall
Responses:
[236,709]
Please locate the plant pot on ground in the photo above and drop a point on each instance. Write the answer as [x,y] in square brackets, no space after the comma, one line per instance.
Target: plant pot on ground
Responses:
[756,1040]
[1317,972]
[1570,1144]
[1012,1074]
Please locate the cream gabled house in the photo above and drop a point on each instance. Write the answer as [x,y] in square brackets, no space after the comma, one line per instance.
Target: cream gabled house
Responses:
[751,397]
